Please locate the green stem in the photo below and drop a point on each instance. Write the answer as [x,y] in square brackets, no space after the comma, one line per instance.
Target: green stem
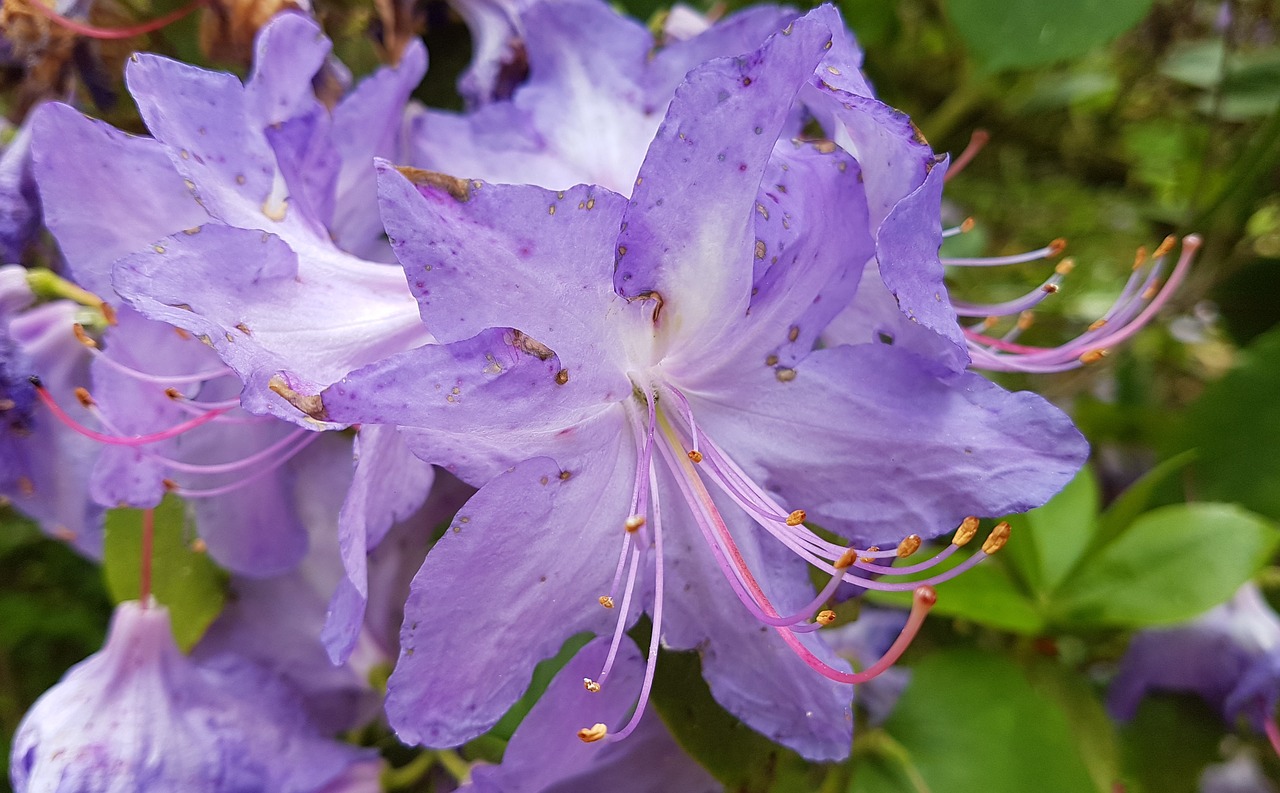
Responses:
[409,773]
[452,762]
[881,744]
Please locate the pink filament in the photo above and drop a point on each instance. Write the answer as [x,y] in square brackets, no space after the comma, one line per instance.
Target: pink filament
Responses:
[116,33]
[977,141]
[112,440]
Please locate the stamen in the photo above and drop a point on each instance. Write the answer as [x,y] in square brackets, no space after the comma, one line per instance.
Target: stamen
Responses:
[825,617]
[634,522]
[977,141]
[968,528]
[909,545]
[1052,249]
[159,379]
[593,733]
[796,518]
[591,685]
[606,601]
[116,33]
[996,540]
[137,440]
[965,227]
[236,485]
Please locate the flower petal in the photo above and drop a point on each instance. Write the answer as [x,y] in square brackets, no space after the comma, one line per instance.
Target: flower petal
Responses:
[688,231]
[518,572]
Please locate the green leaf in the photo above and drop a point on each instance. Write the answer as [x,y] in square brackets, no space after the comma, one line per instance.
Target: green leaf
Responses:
[1172,564]
[742,759]
[985,595]
[1092,730]
[970,721]
[1169,742]
[1235,426]
[183,579]
[1136,499]
[1047,542]
[1016,34]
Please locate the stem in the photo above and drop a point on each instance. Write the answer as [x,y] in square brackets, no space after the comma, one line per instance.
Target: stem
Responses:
[452,762]
[881,744]
[144,564]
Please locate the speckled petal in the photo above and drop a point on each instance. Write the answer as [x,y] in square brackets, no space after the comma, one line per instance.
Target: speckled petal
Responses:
[688,230]
[481,256]
[265,316]
[105,193]
[876,443]
[475,407]
[517,573]
[288,52]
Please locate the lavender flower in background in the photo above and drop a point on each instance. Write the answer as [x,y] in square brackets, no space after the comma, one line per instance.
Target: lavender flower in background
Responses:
[138,716]
[1230,657]
[19,204]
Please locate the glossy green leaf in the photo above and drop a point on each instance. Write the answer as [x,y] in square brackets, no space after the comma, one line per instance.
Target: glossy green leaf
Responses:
[986,595]
[1168,744]
[1172,564]
[182,578]
[970,721]
[1047,542]
[1015,34]
[1092,730]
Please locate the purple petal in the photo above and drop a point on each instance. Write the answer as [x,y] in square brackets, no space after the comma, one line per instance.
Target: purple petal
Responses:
[545,753]
[389,484]
[105,193]
[688,231]
[267,315]
[514,576]
[504,256]
[19,202]
[288,52]
[876,443]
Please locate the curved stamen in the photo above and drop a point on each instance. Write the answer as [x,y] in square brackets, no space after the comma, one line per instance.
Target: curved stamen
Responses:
[621,626]
[116,33]
[239,483]
[1273,735]
[158,379]
[1048,251]
[964,228]
[136,440]
[977,141]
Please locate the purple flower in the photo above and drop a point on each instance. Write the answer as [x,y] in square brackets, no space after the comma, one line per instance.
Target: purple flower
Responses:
[139,716]
[545,755]
[1230,657]
[260,173]
[19,204]
[602,358]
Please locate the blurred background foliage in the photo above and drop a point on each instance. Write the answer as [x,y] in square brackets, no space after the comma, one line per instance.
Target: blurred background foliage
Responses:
[1112,123]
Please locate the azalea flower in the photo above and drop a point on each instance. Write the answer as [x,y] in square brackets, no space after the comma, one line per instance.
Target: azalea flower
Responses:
[1230,657]
[139,716]
[603,357]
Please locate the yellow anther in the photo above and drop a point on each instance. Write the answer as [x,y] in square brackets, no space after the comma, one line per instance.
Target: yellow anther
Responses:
[1140,257]
[1065,266]
[996,540]
[606,601]
[909,545]
[83,337]
[82,394]
[846,559]
[591,686]
[1026,319]
[593,733]
[1165,246]
[696,456]
[198,545]
[634,522]
[968,528]
[1093,356]
[1057,246]
[967,225]
[173,393]
[825,617]
[990,322]
[796,518]
[1097,324]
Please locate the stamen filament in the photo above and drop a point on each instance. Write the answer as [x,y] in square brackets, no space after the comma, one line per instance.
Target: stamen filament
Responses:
[116,33]
[137,440]
[1052,249]
[236,485]
[144,564]
[159,379]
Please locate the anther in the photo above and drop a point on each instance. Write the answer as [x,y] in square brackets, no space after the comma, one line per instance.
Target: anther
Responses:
[968,528]
[796,518]
[846,559]
[108,313]
[1050,289]
[1093,356]
[967,225]
[634,522]
[996,540]
[591,686]
[909,545]
[198,545]
[696,456]
[169,485]
[1165,246]
[1065,267]
[606,601]
[1057,246]
[83,337]
[173,393]
[825,617]
[85,399]
[1026,319]
[593,733]
[1098,324]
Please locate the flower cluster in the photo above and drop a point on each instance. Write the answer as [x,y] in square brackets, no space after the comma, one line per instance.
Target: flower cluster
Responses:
[636,335]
